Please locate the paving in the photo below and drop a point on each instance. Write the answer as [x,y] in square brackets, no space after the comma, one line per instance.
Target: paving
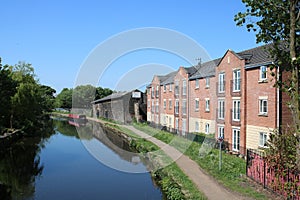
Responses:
[206,184]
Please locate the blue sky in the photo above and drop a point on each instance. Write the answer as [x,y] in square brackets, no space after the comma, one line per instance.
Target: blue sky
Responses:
[56,37]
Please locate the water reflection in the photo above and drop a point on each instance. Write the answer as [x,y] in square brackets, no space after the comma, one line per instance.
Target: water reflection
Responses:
[54,165]
[20,165]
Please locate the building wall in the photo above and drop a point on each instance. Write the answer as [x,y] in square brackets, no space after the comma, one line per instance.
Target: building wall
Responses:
[154,97]
[253,134]
[230,63]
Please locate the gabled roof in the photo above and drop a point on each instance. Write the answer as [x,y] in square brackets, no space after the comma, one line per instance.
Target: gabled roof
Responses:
[113,96]
[169,78]
[257,56]
[206,69]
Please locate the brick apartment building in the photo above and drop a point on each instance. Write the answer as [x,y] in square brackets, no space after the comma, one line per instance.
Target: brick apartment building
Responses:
[233,97]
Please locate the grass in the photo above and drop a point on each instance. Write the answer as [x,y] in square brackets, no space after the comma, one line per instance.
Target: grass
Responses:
[233,168]
[174,183]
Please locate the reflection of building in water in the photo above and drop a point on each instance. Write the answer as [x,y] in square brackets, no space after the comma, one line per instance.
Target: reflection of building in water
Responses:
[115,142]
[121,106]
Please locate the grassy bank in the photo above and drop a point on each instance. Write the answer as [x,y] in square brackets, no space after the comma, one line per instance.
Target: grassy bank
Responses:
[174,183]
[233,170]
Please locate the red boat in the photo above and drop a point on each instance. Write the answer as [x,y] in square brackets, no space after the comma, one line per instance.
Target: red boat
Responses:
[77,120]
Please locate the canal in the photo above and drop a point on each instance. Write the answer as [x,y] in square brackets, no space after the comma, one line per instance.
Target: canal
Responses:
[55,164]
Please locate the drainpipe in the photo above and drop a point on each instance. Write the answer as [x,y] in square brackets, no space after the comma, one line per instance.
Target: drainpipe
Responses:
[278,113]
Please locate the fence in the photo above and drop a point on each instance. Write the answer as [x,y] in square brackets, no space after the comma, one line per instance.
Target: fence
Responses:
[283,182]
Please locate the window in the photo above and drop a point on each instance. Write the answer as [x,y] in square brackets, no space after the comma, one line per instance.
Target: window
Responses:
[176,106]
[263,73]
[221,132]
[170,122]
[184,87]
[165,88]
[197,83]
[176,124]
[176,88]
[207,104]
[207,82]
[170,104]
[152,91]
[207,128]
[183,126]
[221,109]
[196,126]
[152,107]
[237,80]
[157,90]
[148,103]
[263,138]
[157,106]
[184,107]
[170,87]
[197,104]
[165,104]
[221,82]
[236,139]
[263,106]
[236,111]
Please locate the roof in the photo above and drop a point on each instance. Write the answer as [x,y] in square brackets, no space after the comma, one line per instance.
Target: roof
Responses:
[169,78]
[206,69]
[257,56]
[113,96]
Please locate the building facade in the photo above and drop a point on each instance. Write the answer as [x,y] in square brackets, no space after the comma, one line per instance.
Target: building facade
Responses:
[232,97]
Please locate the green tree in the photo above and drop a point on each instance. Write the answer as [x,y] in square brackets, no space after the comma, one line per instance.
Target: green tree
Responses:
[64,99]
[278,22]
[7,90]
[102,92]
[83,95]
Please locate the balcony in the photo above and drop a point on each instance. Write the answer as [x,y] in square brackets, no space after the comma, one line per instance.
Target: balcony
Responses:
[220,89]
[235,88]
[237,120]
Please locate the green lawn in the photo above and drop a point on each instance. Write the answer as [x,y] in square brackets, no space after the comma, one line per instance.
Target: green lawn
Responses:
[233,168]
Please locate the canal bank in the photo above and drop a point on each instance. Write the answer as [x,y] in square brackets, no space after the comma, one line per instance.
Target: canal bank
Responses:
[204,183]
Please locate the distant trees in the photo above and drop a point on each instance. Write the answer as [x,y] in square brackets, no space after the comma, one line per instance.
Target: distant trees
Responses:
[81,96]
[24,102]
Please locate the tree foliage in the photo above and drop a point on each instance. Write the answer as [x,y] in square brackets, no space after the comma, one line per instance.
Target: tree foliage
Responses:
[278,22]
[24,101]
[81,96]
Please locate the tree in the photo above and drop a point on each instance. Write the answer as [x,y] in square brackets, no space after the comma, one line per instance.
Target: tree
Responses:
[7,90]
[278,22]
[102,92]
[64,99]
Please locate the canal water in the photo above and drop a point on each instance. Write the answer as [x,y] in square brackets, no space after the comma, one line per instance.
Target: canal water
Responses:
[56,165]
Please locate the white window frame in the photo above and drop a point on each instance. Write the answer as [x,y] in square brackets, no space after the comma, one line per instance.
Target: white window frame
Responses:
[263,109]
[170,121]
[263,138]
[221,131]
[183,131]
[263,73]
[197,104]
[207,126]
[157,106]
[157,91]
[197,83]
[177,106]
[221,108]
[184,106]
[149,103]
[176,87]
[170,87]
[184,86]
[165,88]
[207,105]
[221,86]
[237,80]
[176,124]
[207,82]
[197,126]
[236,110]
[170,104]
[165,104]
[236,136]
